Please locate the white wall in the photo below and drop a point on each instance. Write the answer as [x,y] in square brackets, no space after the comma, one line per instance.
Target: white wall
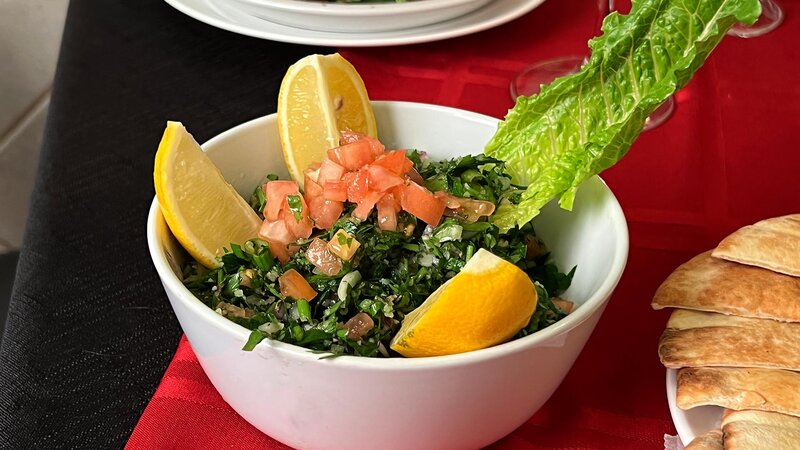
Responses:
[30,34]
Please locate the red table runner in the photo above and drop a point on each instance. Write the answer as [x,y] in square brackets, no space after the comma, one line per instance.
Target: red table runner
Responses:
[727,157]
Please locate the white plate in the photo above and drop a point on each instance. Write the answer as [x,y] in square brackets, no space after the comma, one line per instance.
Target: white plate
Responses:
[222,15]
[356,17]
[692,422]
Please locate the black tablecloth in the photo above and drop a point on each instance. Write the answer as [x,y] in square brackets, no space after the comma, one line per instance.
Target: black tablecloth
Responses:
[90,332]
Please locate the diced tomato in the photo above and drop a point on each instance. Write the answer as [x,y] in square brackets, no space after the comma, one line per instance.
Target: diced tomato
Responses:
[395,161]
[382,179]
[324,212]
[299,228]
[322,258]
[352,156]
[397,193]
[311,189]
[277,234]
[366,204]
[335,190]
[330,171]
[276,231]
[421,203]
[348,137]
[357,185]
[387,213]
[293,285]
[276,192]
[378,149]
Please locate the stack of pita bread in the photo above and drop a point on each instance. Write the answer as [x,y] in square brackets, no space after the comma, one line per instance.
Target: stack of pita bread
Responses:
[735,335]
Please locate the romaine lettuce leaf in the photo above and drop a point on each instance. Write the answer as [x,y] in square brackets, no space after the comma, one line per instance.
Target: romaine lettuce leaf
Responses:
[583,123]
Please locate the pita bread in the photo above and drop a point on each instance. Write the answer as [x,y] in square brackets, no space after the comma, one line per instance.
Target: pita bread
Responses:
[711,284]
[710,440]
[696,338]
[773,244]
[740,388]
[760,430]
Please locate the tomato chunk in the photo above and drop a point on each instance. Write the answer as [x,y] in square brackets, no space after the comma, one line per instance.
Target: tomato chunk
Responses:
[422,204]
[276,192]
[387,214]
[395,161]
[276,231]
[277,235]
[352,156]
[330,171]
[348,137]
[335,190]
[325,212]
[357,186]
[382,179]
[311,188]
[366,204]
[293,285]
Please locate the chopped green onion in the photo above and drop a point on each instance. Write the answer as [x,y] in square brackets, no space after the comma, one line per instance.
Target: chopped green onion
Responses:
[256,336]
[264,260]
[237,250]
[470,251]
[304,310]
[297,332]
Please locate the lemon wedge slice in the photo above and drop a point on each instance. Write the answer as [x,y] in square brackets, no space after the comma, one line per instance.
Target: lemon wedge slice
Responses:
[202,210]
[485,304]
[320,96]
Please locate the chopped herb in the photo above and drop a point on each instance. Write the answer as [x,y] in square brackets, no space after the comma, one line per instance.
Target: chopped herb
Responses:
[256,336]
[295,206]
[304,310]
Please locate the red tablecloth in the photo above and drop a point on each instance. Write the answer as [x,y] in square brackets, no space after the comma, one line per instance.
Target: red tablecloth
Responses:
[728,157]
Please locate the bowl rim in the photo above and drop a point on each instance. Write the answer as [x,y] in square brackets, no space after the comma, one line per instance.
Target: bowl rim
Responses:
[581,314]
[369,9]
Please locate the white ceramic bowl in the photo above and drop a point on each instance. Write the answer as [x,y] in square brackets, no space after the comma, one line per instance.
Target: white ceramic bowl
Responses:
[459,401]
[357,17]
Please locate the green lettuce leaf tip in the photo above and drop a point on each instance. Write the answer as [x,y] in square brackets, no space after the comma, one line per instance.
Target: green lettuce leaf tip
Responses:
[583,123]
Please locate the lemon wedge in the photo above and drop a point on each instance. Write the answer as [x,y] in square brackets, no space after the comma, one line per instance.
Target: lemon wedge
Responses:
[320,96]
[202,210]
[485,304]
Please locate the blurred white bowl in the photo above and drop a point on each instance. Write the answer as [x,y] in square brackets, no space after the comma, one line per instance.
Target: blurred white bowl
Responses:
[459,401]
[357,17]
[692,422]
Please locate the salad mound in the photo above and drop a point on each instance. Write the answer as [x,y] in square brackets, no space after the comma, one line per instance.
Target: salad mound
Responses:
[374,233]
